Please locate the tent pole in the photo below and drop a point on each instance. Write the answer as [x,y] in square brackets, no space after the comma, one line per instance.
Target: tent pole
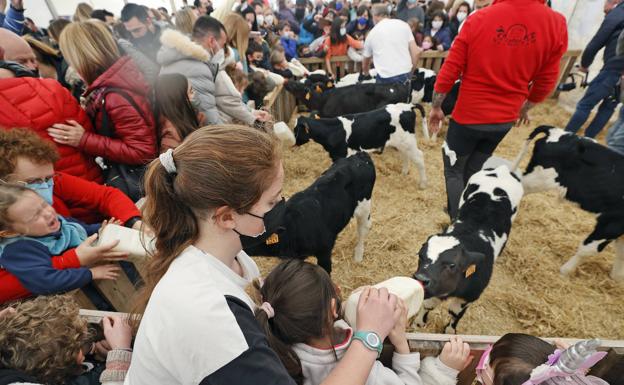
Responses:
[52,9]
[573,12]
[173,6]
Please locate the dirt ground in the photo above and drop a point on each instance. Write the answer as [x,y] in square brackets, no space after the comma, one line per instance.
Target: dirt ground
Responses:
[526,293]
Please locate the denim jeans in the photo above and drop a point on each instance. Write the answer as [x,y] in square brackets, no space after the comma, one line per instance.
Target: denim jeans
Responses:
[394,79]
[602,88]
[615,137]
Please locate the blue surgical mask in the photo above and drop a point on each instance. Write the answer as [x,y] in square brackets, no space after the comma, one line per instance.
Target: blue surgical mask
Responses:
[44,189]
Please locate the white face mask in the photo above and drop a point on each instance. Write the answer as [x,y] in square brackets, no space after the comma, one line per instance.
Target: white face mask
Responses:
[436,24]
[389,9]
[461,16]
[288,34]
[343,31]
[260,19]
[269,19]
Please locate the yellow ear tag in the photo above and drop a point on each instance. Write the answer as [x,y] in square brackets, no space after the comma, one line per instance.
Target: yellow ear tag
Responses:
[307,96]
[307,131]
[330,84]
[471,270]
[273,239]
[319,89]
[317,117]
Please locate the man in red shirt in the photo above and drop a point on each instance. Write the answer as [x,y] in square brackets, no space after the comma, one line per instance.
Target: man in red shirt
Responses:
[507,57]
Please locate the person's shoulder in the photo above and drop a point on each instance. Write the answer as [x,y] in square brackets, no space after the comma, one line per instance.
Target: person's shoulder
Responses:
[23,248]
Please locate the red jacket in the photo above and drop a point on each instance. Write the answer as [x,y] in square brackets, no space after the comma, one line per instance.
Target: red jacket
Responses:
[90,202]
[135,133]
[11,288]
[500,51]
[37,104]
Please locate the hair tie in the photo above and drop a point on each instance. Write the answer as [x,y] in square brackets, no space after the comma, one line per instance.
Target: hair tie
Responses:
[268,309]
[166,159]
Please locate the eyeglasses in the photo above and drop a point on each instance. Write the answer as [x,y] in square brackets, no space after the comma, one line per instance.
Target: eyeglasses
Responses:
[484,362]
[44,180]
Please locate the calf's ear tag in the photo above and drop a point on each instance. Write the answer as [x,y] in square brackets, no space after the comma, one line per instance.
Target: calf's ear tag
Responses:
[307,131]
[330,84]
[307,96]
[273,239]
[319,89]
[317,117]
[471,270]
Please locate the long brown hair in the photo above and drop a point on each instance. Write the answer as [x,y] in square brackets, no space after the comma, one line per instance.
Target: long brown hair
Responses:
[172,103]
[515,355]
[237,31]
[301,294]
[223,165]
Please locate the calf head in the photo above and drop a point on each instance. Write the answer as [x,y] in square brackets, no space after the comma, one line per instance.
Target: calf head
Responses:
[321,80]
[298,89]
[302,131]
[443,264]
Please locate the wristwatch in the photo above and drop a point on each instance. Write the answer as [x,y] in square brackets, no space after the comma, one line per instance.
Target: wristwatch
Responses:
[371,340]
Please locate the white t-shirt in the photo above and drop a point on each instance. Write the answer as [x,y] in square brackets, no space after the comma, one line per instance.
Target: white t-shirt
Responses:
[388,44]
[188,330]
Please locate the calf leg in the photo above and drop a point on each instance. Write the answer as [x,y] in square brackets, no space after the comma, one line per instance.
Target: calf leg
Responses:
[457,309]
[617,271]
[362,215]
[592,245]
[428,305]
[323,259]
[413,153]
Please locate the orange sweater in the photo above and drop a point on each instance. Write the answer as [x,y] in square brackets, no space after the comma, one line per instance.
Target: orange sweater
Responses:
[341,48]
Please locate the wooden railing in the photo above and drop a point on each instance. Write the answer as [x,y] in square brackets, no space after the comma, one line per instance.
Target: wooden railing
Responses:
[431,345]
[281,104]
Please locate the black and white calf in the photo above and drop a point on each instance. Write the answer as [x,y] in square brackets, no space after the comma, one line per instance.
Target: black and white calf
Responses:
[391,126]
[588,174]
[309,222]
[457,264]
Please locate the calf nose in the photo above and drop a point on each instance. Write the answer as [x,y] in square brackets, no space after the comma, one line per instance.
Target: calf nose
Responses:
[422,278]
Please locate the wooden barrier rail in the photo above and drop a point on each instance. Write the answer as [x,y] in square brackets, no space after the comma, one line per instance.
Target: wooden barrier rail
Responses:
[281,104]
[431,345]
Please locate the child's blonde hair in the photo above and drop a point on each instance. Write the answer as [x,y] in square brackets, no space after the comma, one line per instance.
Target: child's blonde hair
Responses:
[9,194]
[42,338]
[277,57]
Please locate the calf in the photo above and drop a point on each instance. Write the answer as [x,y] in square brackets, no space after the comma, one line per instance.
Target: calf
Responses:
[588,174]
[309,222]
[391,126]
[457,264]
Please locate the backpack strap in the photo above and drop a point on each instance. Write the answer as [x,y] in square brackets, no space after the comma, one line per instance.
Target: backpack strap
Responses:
[108,129]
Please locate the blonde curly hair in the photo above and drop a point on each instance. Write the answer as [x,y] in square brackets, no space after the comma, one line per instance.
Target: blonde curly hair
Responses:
[42,338]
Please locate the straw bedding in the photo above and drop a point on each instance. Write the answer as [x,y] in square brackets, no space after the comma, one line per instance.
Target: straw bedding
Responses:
[526,293]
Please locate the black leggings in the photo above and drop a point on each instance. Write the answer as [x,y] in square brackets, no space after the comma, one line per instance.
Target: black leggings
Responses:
[466,149]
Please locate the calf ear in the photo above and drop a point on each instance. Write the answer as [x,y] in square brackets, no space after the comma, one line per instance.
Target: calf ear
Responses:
[471,260]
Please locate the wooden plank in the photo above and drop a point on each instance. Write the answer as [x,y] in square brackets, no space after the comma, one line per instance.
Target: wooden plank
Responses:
[82,300]
[571,58]
[120,293]
[95,316]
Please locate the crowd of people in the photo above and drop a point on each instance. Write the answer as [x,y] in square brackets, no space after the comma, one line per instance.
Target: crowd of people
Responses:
[101,112]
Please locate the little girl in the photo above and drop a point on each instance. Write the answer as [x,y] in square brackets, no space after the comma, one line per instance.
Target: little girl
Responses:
[430,43]
[31,234]
[521,359]
[300,315]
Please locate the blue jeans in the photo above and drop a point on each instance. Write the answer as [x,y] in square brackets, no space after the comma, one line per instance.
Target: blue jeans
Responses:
[602,88]
[394,79]
[615,137]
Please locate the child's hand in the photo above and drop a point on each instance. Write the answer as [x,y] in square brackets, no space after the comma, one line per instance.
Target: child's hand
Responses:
[456,354]
[397,334]
[89,255]
[109,272]
[117,332]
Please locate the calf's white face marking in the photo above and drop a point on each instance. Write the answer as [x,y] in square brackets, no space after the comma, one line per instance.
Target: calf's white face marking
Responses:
[450,154]
[439,244]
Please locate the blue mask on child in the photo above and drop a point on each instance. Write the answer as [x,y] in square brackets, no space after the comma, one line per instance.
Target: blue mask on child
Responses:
[44,189]
[362,20]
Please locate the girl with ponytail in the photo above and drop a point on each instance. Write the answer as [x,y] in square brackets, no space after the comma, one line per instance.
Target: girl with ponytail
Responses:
[299,311]
[197,324]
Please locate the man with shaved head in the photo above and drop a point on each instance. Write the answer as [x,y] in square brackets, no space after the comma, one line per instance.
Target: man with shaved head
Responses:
[16,49]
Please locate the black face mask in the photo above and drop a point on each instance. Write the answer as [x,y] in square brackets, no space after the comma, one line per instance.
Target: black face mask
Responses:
[273,225]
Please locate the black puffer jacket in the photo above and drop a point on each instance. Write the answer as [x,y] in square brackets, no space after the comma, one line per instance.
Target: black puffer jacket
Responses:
[607,37]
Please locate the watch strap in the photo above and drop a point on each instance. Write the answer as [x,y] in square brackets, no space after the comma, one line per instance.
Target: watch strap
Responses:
[363,337]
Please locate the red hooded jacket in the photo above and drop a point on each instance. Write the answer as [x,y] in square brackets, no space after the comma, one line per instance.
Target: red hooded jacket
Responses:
[134,141]
[37,104]
[505,54]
